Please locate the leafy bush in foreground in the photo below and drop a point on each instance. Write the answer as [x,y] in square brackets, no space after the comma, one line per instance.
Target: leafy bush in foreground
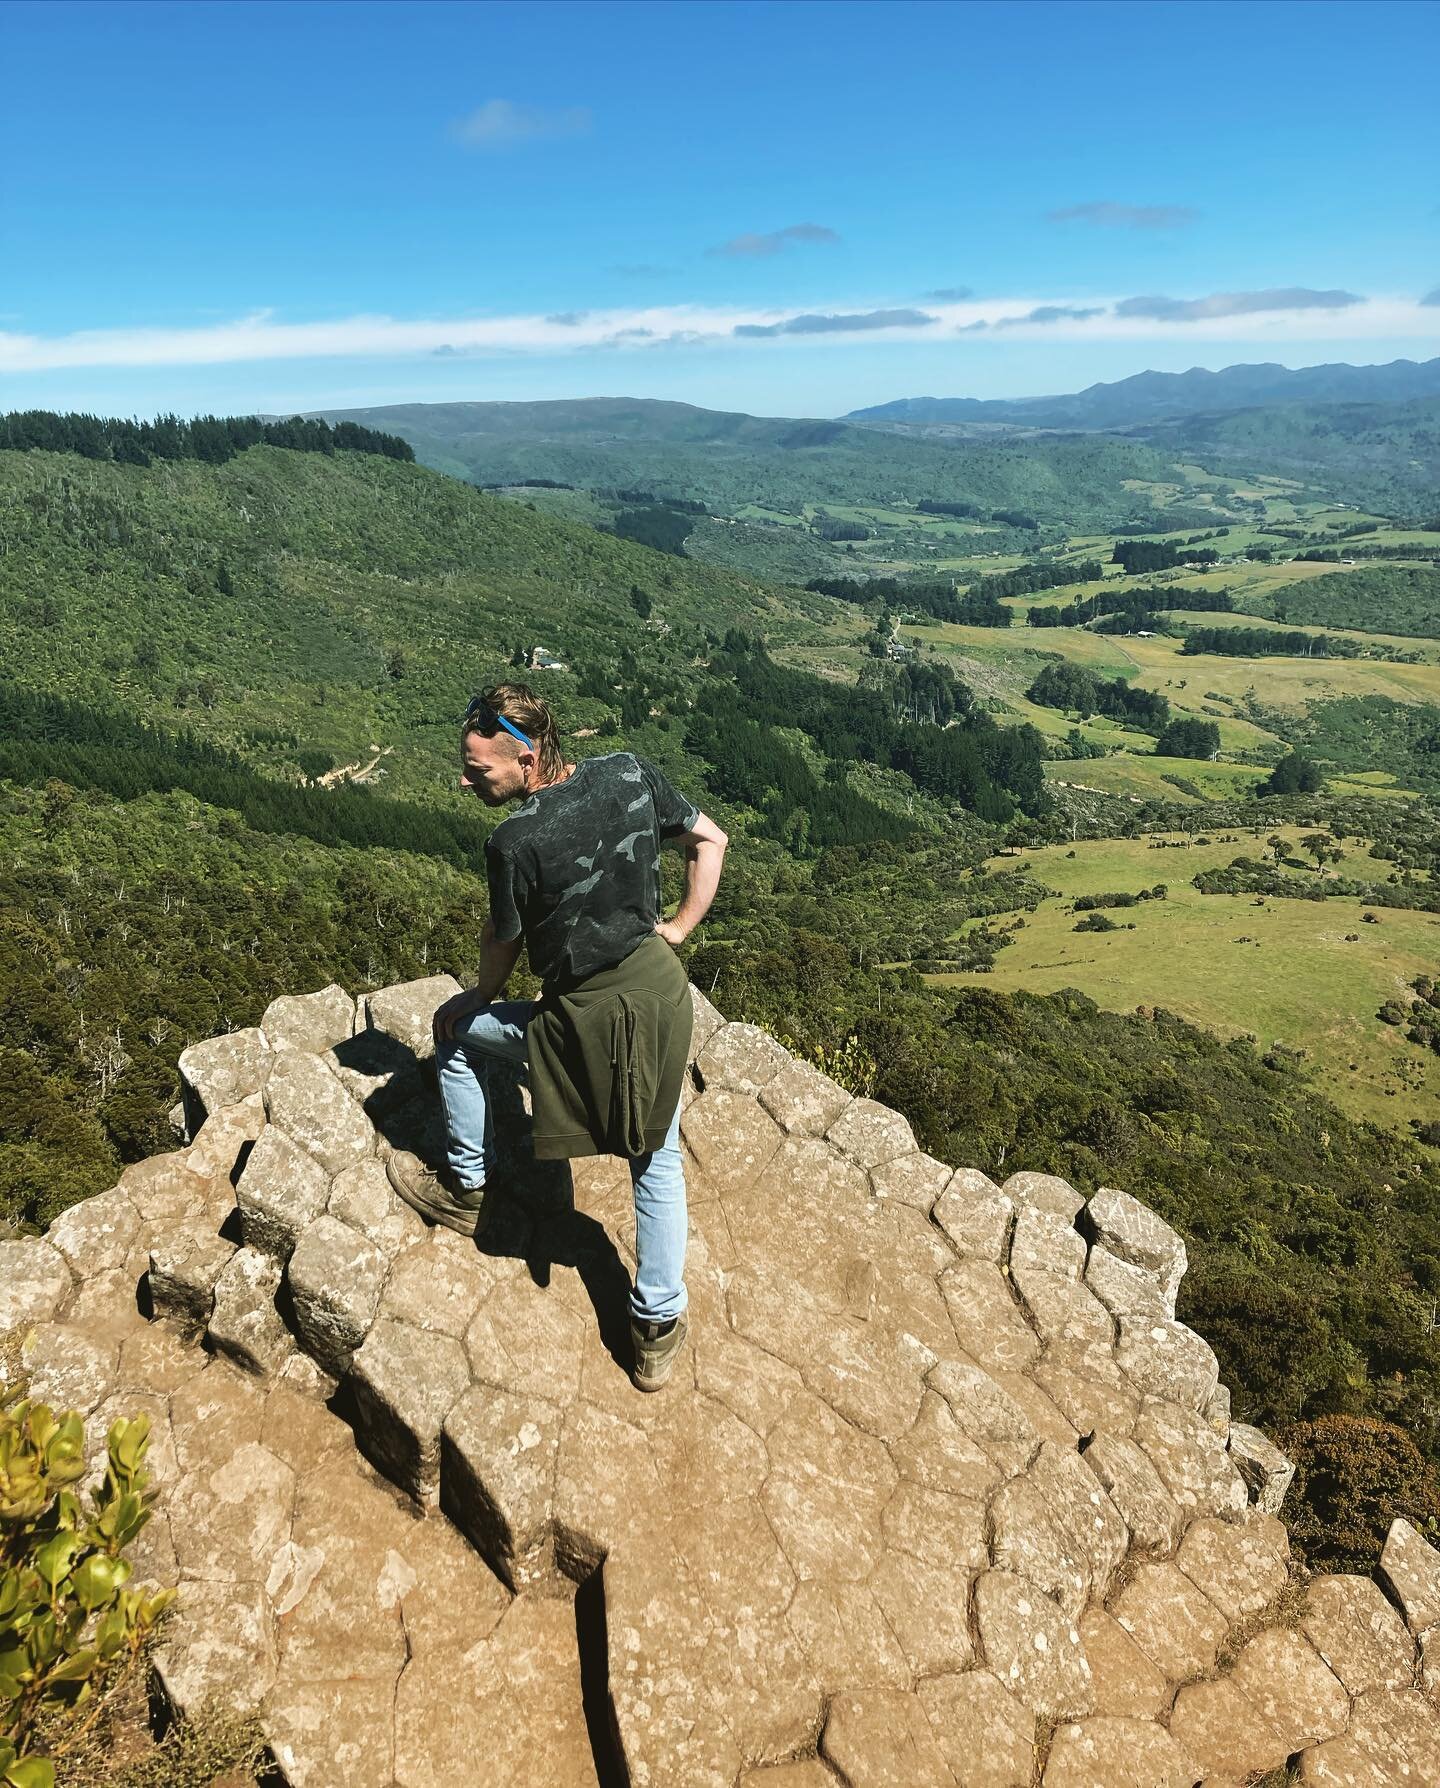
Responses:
[70,1630]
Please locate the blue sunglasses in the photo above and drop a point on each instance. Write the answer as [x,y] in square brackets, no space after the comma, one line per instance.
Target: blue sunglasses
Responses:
[480,717]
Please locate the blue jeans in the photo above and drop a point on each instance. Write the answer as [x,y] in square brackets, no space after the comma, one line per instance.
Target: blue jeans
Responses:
[658,1178]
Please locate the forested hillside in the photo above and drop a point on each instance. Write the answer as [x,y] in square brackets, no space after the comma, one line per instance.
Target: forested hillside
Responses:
[1381,455]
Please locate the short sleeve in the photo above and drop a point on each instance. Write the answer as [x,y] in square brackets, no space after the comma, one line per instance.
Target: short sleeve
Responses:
[673,812]
[507,892]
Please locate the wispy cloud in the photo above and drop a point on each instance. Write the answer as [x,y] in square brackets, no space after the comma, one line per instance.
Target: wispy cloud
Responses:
[757,247]
[1431,298]
[1235,304]
[841,323]
[949,295]
[1284,315]
[1125,217]
[1052,313]
[500,123]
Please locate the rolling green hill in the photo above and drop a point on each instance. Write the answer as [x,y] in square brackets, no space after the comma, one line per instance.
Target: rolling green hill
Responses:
[729,460]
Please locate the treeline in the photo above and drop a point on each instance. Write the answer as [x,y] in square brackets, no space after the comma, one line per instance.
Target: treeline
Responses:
[684,505]
[45,738]
[825,527]
[1264,642]
[1025,580]
[1159,555]
[213,439]
[1062,684]
[1317,555]
[972,761]
[975,608]
[1140,604]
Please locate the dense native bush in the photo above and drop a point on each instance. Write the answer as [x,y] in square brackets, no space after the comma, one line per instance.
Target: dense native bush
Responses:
[1353,1476]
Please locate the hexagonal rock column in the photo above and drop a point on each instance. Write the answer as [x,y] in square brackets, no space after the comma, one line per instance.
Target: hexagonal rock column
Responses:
[335,1277]
[222,1071]
[34,1282]
[1133,1233]
[1265,1469]
[282,1190]
[406,1011]
[311,1022]
[405,1381]
[312,1105]
[1411,1566]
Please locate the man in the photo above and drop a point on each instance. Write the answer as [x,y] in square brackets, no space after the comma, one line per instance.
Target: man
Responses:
[574,873]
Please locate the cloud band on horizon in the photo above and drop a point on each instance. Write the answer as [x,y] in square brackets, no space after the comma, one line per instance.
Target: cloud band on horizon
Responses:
[1283,313]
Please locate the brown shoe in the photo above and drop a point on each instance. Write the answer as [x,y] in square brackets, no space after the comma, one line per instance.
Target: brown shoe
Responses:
[656,1353]
[437,1195]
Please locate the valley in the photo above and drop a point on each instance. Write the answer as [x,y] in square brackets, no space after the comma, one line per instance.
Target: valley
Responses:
[195,652]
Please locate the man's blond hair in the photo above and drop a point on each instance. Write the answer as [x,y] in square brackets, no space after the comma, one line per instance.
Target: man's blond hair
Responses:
[529,712]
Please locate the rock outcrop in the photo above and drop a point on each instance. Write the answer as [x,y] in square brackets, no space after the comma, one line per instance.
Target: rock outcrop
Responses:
[941,1494]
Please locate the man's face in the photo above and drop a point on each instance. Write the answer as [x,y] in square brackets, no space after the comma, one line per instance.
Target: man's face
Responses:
[494,769]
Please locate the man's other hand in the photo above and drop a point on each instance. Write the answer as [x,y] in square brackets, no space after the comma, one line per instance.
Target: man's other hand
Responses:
[460,1005]
[667,929]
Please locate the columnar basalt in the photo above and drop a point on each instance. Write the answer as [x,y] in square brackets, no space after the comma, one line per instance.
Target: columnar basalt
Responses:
[942,1492]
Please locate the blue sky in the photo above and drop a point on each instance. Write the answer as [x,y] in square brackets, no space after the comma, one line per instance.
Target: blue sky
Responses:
[788,209]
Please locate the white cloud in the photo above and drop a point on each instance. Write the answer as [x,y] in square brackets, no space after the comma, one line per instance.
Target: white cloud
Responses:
[499,123]
[262,336]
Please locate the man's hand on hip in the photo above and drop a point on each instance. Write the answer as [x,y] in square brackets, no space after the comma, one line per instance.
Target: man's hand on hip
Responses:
[460,1005]
[671,932]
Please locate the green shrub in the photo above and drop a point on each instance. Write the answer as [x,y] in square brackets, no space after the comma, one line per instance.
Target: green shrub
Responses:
[69,1628]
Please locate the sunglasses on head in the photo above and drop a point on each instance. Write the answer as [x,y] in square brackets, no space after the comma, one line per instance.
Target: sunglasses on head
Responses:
[481,718]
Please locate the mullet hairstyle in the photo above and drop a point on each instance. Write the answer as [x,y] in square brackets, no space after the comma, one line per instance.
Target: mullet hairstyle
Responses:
[521,706]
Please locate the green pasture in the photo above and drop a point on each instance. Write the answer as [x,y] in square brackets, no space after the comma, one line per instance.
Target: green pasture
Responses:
[1311,975]
[1142,776]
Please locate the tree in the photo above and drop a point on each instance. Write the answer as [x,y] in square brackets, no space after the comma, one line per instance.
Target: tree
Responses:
[640,602]
[1317,845]
[1293,775]
[224,583]
[1189,738]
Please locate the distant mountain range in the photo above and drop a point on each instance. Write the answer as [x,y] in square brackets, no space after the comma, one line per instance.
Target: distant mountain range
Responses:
[1151,396]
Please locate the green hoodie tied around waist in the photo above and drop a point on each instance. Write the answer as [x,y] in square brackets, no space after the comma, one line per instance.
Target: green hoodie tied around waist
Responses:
[608,1057]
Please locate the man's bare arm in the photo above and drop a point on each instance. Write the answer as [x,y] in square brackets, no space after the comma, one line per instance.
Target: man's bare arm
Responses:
[704,845]
[497,962]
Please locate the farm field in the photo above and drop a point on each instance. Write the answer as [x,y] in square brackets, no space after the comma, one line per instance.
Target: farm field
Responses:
[1308,974]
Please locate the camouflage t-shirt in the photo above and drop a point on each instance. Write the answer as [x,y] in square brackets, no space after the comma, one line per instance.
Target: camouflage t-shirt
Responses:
[577,867]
